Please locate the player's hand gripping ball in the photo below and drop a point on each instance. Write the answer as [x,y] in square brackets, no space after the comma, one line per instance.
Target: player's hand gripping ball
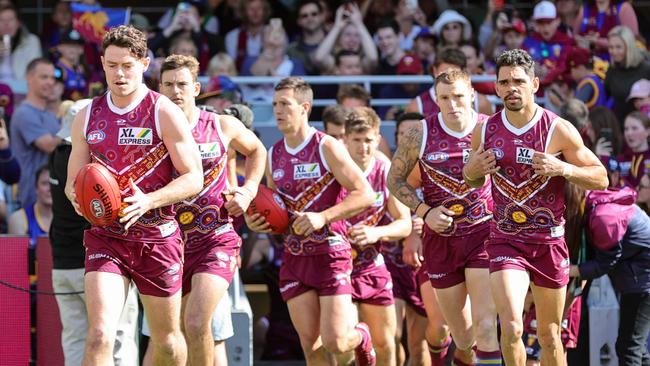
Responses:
[98,194]
[270,205]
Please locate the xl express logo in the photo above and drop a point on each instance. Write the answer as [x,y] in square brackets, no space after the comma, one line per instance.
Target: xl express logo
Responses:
[135,136]
[306,171]
[209,150]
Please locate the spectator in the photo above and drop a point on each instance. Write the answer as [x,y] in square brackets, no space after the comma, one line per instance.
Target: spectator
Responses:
[59,24]
[596,19]
[348,63]
[348,33]
[185,22]
[56,98]
[424,46]
[247,39]
[627,65]
[451,28]
[74,72]
[22,46]
[604,134]
[334,120]
[389,47]
[68,254]
[590,88]
[6,101]
[548,46]
[411,21]
[640,96]
[220,93]
[619,233]
[183,45]
[221,64]
[352,96]
[408,65]
[567,11]
[311,21]
[33,127]
[273,61]
[34,220]
[509,34]
[447,59]
[375,11]
[9,168]
[634,163]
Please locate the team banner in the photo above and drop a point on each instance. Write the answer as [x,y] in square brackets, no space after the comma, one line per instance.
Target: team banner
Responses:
[92,21]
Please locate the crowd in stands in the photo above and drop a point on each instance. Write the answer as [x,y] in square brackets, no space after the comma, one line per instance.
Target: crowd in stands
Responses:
[592,62]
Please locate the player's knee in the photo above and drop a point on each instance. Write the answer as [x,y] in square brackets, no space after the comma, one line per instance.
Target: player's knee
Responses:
[335,344]
[98,339]
[168,344]
[195,329]
[385,342]
[511,331]
[549,336]
[485,330]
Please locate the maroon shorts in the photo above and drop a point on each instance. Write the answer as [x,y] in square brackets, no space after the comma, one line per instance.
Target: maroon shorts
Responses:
[328,274]
[155,268]
[374,288]
[547,264]
[447,257]
[217,255]
[406,285]
[570,324]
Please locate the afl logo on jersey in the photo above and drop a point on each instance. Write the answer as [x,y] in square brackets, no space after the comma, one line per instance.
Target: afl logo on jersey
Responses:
[498,153]
[278,174]
[95,137]
[437,157]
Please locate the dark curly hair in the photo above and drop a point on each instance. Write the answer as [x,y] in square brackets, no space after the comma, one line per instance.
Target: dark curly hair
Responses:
[126,36]
[519,58]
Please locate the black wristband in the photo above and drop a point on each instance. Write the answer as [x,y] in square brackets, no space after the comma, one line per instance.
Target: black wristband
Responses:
[426,213]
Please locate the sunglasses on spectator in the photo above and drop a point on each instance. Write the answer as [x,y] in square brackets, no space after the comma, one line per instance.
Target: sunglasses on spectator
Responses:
[453,26]
[306,15]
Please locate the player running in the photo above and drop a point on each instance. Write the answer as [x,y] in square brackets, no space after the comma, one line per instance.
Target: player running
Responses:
[308,168]
[529,152]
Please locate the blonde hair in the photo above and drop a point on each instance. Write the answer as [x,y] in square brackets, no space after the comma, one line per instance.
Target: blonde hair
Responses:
[221,61]
[63,108]
[633,54]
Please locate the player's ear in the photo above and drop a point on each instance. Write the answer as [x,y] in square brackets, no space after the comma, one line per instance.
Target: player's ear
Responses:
[535,84]
[145,62]
[197,89]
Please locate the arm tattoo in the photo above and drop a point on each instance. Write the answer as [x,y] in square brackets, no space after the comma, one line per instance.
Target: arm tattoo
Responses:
[404,160]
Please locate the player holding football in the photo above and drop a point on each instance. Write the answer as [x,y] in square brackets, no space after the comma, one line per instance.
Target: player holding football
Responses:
[144,140]
[529,152]
[308,168]
[456,218]
[211,243]
[371,281]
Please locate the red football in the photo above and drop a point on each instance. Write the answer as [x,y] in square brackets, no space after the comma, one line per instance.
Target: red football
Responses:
[270,205]
[98,194]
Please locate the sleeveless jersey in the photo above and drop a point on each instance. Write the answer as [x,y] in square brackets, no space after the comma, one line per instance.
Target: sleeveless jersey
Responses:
[443,154]
[527,207]
[304,181]
[633,166]
[427,102]
[204,213]
[127,142]
[368,257]
[34,230]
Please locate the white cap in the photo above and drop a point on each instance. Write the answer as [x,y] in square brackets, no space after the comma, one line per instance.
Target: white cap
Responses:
[452,16]
[544,10]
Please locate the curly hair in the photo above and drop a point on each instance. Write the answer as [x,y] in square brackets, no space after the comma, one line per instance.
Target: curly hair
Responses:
[519,58]
[126,36]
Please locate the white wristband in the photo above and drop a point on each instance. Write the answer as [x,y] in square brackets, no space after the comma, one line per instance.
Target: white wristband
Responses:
[567,171]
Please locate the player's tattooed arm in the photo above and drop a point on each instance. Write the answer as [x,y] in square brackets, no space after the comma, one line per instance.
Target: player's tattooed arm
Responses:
[403,162]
